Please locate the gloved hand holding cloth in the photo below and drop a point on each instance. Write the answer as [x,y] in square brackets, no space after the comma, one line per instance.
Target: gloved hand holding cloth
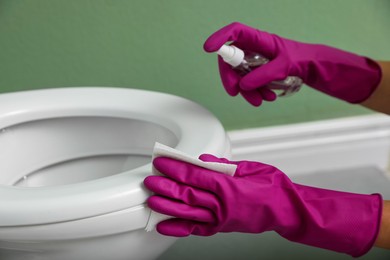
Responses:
[260,198]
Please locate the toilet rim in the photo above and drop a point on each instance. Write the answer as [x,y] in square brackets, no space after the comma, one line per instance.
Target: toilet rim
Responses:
[198,131]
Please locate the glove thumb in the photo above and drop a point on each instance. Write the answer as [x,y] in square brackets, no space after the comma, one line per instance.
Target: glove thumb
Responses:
[211,158]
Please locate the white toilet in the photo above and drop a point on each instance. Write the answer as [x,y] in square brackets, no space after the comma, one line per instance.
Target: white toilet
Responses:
[72,163]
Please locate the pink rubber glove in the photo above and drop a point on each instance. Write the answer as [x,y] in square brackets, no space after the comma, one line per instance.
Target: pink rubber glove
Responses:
[261,198]
[338,73]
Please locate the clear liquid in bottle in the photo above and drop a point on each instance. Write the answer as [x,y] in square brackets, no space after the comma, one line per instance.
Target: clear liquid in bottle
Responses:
[245,61]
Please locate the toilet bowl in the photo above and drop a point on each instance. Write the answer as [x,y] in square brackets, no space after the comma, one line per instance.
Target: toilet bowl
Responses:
[72,163]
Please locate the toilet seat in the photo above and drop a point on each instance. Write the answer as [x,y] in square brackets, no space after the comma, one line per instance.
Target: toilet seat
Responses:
[197,131]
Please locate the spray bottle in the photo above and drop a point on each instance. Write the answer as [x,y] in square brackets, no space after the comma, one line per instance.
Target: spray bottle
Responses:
[245,61]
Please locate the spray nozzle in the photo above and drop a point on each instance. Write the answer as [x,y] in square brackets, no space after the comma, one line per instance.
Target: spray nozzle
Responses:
[231,54]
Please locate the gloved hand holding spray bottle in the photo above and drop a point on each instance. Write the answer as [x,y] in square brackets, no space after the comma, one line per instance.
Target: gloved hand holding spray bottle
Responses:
[287,64]
[245,61]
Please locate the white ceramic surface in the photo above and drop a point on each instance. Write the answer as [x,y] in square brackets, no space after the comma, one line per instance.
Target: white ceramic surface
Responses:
[72,165]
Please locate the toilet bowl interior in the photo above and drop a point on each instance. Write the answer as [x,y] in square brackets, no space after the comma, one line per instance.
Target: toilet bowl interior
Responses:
[67,150]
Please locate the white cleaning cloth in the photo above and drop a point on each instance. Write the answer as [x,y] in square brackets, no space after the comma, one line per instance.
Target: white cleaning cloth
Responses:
[161,150]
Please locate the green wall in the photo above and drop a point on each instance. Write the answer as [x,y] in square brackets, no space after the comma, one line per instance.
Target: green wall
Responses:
[157,45]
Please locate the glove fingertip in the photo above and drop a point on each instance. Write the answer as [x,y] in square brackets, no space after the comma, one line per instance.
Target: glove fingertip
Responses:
[215,41]
[212,158]
[172,227]
[210,46]
[162,164]
[152,201]
[207,157]
[268,94]
[148,182]
[156,184]
[253,97]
